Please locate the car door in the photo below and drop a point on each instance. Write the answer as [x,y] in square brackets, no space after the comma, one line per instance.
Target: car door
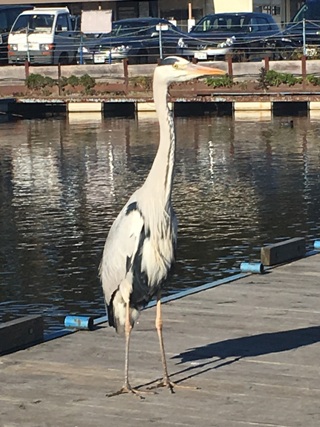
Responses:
[170,38]
[261,37]
[161,38]
[64,40]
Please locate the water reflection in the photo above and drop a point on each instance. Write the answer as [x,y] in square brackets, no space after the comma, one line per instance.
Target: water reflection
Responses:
[239,184]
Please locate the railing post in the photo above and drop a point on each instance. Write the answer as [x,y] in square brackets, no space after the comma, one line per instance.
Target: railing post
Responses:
[266,63]
[304,70]
[126,75]
[26,69]
[230,69]
[59,78]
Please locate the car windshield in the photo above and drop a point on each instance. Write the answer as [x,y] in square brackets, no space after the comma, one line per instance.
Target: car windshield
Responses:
[33,23]
[309,11]
[131,28]
[227,23]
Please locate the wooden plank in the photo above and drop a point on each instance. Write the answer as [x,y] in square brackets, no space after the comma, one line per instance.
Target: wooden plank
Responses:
[284,251]
[20,333]
[250,345]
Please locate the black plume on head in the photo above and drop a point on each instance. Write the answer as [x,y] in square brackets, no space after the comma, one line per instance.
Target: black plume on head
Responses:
[169,60]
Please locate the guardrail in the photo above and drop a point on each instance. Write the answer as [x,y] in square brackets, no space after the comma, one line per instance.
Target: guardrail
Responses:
[141,49]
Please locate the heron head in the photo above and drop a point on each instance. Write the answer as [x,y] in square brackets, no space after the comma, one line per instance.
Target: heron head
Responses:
[176,69]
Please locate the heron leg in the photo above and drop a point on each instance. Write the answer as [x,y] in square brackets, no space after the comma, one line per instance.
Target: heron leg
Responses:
[127,387]
[166,380]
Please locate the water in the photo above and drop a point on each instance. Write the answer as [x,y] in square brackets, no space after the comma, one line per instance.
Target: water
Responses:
[238,186]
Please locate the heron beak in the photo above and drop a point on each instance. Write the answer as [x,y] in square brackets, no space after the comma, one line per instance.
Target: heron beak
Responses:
[201,70]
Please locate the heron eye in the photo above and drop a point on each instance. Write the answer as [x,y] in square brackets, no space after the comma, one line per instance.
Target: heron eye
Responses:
[176,65]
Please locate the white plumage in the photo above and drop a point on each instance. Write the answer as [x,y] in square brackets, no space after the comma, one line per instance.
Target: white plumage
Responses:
[140,248]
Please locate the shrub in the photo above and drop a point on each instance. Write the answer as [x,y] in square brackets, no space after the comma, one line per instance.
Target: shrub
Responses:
[87,82]
[225,81]
[273,78]
[73,81]
[37,81]
[314,80]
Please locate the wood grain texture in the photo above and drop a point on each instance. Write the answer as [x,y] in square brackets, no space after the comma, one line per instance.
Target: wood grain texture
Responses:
[253,346]
[283,251]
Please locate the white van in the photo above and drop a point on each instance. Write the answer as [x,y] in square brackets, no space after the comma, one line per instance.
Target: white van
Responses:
[43,36]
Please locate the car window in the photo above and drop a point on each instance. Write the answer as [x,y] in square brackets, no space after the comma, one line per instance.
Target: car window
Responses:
[254,25]
[310,11]
[12,16]
[127,29]
[34,23]
[62,23]
[3,21]
[137,29]
[263,23]
[229,23]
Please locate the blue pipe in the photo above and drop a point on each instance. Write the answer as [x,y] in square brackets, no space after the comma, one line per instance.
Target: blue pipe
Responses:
[79,322]
[316,245]
[252,267]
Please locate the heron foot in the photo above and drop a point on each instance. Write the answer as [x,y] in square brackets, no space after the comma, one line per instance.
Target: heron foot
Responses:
[166,382]
[128,389]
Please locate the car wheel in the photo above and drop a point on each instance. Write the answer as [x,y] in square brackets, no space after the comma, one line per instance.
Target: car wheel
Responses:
[63,59]
[285,53]
[241,56]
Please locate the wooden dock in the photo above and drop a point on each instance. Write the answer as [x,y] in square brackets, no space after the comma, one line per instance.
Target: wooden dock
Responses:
[253,346]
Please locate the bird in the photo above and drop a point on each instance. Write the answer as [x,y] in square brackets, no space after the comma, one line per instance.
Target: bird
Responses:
[289,124]
[140,248]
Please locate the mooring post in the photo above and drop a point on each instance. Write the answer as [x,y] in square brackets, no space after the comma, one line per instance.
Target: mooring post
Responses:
[26,69]
[266,63]
[230,70]
[126,75]
[304,70]
[59,78]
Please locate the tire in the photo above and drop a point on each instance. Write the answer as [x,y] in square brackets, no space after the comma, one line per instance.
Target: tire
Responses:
[285,53]
[241,56]
[63,59]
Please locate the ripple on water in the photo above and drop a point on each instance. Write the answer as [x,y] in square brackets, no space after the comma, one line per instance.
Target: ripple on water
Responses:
[63,183]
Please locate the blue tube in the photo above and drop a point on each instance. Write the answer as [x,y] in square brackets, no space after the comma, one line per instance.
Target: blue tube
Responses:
[316,245]
[252,267]
[79,322]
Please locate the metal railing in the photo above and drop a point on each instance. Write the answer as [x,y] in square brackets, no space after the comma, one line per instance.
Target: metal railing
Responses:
[139,46]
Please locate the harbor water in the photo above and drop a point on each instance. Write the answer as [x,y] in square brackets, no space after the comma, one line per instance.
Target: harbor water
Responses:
[239,184]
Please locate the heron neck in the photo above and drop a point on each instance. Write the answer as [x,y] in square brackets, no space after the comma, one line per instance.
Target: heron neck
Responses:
[161,174]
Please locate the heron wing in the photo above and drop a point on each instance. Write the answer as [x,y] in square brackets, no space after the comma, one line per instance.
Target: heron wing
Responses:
[120,248]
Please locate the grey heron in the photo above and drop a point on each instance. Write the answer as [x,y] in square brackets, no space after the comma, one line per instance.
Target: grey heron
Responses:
[139,251]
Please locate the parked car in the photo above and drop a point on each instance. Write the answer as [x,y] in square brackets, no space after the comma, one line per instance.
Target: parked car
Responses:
[8,15]
[43,36]
[304,29]
[247,36]
[137,39]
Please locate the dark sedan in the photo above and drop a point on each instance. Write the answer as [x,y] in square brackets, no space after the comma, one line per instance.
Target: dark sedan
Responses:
[140,40]
[245,36]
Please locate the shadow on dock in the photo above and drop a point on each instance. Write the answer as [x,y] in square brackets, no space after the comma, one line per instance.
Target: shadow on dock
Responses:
[239,348]
[255,345]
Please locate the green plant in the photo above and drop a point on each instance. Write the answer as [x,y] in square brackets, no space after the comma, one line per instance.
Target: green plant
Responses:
[143,81]
[274,78]
[87,82]
[225,81]
[37,81]
[314,80]
[73,80]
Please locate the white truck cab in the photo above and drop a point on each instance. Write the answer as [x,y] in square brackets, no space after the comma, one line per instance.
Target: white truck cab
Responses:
[43,36]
